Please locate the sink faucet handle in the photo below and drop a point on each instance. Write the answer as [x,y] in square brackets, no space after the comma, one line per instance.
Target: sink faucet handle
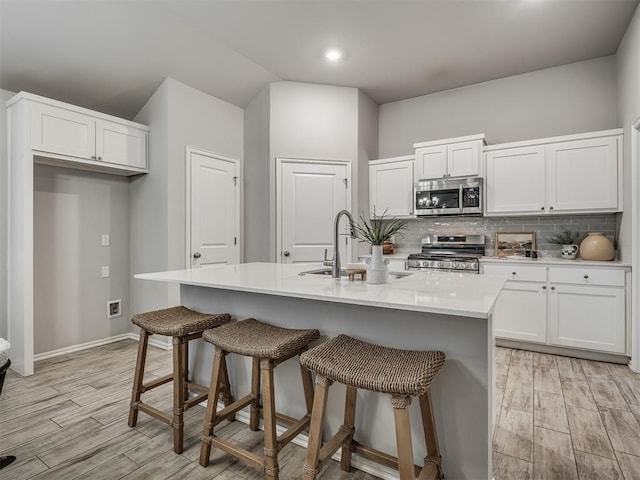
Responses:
[327,261]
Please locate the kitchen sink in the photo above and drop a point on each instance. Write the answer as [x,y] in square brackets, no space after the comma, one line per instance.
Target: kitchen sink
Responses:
[326,272]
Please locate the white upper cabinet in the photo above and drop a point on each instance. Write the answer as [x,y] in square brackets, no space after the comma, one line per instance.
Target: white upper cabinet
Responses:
[573,174]
[452,157]
[516,180]
[74,137]
[391,186]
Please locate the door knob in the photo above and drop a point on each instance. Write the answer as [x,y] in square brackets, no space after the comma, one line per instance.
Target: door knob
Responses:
[286,253]
[197,255]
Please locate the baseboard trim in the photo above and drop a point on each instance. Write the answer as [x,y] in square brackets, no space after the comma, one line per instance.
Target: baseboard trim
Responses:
[152,341]
[361,463]
[81,346]
[97,343]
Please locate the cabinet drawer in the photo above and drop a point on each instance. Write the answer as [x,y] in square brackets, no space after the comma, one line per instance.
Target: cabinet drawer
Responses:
[523,273]
[588,276]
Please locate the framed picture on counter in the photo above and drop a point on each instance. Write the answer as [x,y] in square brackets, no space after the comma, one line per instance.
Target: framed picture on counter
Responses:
[514,244]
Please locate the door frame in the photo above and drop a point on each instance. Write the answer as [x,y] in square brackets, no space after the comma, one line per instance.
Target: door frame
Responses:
[635,248]
[312,161]
[239,194]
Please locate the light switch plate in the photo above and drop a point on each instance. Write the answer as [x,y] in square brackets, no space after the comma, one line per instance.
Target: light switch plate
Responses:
[105,241]
[105,272]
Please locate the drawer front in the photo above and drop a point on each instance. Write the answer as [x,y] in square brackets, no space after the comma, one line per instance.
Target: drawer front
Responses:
[588,276]
[522,273]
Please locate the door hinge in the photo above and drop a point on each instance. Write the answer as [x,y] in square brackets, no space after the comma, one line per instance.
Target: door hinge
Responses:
[235,181]
[345,181]
[235,240]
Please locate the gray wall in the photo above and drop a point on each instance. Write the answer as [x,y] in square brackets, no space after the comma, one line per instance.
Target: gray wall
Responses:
[367,150]
[4,160]
[257,177]
[72,209]
[628,57]
[179,116]
[575,98]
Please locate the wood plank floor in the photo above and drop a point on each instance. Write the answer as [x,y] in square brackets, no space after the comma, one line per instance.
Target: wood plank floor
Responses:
[557,418]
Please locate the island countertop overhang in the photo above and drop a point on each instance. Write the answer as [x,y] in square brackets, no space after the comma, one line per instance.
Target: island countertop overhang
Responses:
[460,294]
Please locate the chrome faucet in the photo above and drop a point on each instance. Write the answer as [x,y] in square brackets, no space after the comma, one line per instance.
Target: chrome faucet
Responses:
[335,262]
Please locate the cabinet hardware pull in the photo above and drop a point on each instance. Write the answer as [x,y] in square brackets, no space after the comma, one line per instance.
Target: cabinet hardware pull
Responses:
[541,208]
[513,273]
[553,288]
[544,287]
[197,255]
[286,253]
[551,207]
[99,158]
[586,276]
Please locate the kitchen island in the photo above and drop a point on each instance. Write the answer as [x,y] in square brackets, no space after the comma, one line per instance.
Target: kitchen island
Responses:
[426,311]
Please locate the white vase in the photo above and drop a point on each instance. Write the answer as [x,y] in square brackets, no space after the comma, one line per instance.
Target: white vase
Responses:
[377,271]
[569,252]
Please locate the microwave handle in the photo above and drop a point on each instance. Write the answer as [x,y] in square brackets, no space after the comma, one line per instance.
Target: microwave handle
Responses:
[461,199]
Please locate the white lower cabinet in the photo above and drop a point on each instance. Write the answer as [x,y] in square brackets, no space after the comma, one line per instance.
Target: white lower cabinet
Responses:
[577,307]
[587,317]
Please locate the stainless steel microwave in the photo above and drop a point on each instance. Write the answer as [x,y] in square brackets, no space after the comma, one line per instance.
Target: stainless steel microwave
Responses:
[449,197]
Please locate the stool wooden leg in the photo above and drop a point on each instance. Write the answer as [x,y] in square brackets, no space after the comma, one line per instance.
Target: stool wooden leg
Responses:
[271,468]
[225,386]
[178,394]
[254,417]
[430,435]
[138,377]
[185,364]
[403,437]
[307,385]
[312,460]
[349,424]
[214,391]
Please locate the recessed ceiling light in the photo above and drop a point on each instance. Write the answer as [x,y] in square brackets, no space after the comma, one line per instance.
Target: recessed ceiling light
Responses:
[333,54]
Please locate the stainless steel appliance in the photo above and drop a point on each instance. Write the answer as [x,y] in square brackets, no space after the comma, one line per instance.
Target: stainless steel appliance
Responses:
[453,253]
[449,197]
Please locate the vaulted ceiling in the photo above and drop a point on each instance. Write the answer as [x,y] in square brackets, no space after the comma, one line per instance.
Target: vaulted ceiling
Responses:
[110,55]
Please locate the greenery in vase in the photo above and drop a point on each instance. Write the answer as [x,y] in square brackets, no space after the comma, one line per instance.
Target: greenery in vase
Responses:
[379,229]
[566,237]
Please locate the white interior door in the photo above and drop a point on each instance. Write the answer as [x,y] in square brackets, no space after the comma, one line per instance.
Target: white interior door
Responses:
[212,209]
[310,194]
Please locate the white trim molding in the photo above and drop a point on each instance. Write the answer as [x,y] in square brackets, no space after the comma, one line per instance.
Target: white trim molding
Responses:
[635,253]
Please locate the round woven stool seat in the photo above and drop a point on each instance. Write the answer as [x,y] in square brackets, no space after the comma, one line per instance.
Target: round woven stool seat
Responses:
[178,321]
[360,364]
[256,339]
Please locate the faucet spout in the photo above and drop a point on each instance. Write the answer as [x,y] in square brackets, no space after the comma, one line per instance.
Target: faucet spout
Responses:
[335,272]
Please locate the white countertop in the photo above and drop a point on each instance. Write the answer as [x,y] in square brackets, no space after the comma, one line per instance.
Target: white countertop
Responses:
[434,292]
[578,262]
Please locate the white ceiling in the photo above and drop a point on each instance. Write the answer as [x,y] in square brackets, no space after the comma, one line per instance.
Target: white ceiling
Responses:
[110,55]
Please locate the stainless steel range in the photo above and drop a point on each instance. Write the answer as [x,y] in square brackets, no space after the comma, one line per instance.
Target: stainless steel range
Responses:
[451,253]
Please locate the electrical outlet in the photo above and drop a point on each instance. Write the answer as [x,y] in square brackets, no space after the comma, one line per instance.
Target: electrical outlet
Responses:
[104,240]
[114,308]
[105,272]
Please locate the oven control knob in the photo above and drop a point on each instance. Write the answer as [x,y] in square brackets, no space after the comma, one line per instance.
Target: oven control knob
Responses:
[440,264]
[456,265]
[425,264]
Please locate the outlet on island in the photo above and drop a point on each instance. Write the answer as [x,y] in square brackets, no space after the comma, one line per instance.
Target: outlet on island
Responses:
[105,271]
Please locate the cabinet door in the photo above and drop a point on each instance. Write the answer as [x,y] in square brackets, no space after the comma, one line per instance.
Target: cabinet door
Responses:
[463,159]
[521,312]
[391,188]
[587,317]
[431,162]
[516,180]
[62,132]
[121,144]
[583,175]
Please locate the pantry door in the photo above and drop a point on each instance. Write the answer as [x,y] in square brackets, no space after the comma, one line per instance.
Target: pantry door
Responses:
[213,209]
[309,195]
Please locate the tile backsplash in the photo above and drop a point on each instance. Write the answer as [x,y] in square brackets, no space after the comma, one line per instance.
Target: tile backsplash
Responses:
[544,226]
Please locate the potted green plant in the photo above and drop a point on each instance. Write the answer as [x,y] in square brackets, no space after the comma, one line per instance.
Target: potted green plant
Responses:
[376,231]
[567,240]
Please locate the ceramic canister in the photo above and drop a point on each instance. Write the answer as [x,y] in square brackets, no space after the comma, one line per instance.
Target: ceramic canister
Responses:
[596,246]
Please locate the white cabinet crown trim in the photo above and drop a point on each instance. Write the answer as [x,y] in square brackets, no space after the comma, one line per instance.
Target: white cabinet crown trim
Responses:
[558,139]
[445,141]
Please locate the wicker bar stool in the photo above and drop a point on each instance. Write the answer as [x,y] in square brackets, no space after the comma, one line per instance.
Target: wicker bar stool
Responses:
[268,346]
[401,373]
[183,325]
